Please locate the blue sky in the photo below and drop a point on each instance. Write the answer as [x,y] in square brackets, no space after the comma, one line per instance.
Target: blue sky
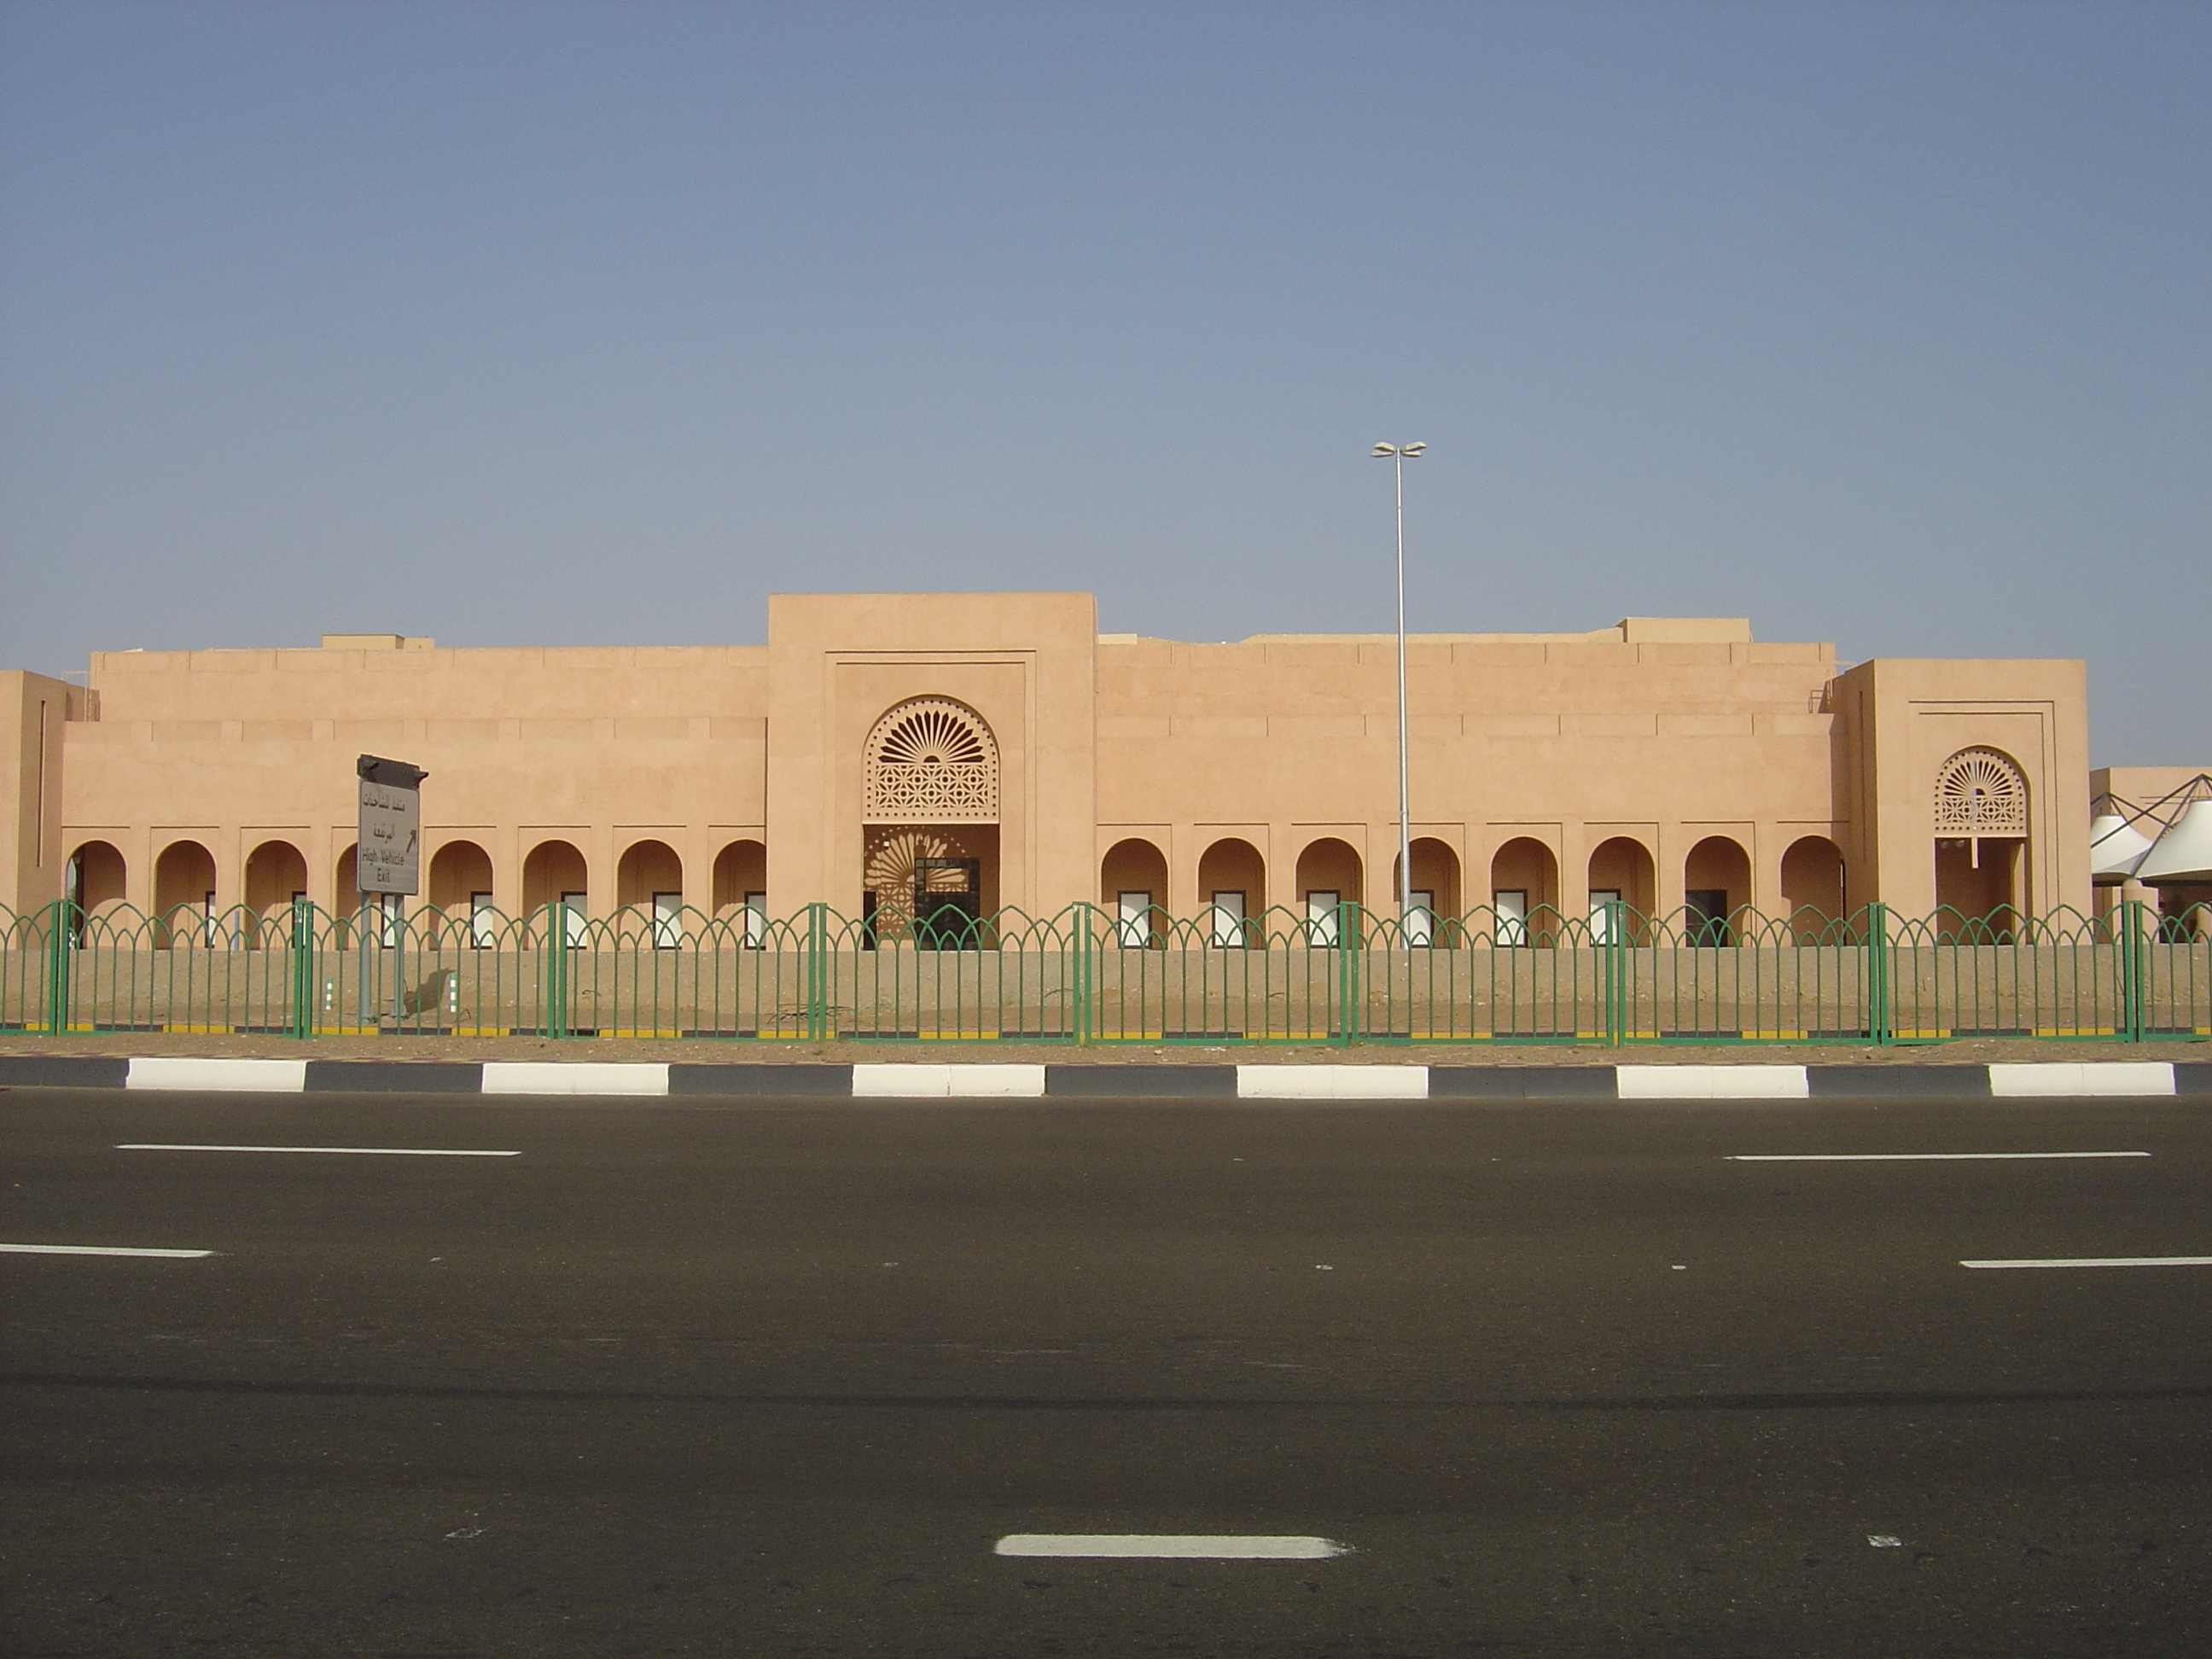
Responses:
[1886,323]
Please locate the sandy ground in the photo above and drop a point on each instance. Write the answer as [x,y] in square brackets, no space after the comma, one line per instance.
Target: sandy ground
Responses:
[1962,1051]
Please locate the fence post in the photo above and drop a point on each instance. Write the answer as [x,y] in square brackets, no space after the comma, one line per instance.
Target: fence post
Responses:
[1880,1026]
[303,969]
[1612,971]
[2133,966]
[557,968]
[58,966]
[1082,977]
[811,967]
[1350,942]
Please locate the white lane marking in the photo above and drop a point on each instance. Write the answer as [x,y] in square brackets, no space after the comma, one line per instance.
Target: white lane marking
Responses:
[943,1081]
[352,1152]
[574,1077]
[1712,1082]
[1904,1158]
[99,1250]
[2102,1261]
[1171,1546]
[2066,1078]
[284,1077]
[1333,1082]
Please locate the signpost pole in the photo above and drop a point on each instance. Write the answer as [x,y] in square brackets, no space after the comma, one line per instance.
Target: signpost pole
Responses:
[388,862]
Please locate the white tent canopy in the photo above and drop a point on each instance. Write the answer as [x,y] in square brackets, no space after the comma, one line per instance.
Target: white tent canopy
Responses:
[2184,852]
[2116,847]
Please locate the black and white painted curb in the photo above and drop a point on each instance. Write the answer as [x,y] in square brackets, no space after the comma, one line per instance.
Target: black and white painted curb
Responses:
[922,1081]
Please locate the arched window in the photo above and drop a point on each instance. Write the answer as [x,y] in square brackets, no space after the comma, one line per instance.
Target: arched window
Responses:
[931,760]
[1981,844]
[1979,792]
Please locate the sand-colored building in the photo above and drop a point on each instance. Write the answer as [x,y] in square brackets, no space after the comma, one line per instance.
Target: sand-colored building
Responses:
[996,749]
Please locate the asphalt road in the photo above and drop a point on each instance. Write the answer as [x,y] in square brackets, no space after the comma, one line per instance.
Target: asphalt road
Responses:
[775,1378]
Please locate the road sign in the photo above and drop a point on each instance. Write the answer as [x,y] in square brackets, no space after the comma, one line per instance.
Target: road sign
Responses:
[388,857]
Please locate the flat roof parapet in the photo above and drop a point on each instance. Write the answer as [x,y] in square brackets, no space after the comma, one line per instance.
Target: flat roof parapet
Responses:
[379,643]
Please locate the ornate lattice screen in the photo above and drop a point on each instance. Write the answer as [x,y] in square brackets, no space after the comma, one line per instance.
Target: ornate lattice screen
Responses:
[1979,792]
[931,761]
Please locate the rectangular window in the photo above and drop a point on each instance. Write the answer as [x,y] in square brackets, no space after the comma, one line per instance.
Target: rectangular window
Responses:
[757,919]
[1421,917]
[483,921]
[1134,924]
[1226,918]
[575,919]
[1511,906]
[1604,908]
[1322,916]
[667,920]
[1708,917]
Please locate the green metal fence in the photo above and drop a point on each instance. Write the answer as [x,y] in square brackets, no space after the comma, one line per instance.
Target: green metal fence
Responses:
[1088,975]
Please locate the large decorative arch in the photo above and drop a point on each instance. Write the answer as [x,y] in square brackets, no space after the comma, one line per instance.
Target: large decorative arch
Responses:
[1980,792]
[931,760]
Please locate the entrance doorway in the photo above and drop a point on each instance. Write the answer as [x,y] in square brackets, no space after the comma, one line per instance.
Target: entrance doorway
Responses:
[935,885]
[948,902]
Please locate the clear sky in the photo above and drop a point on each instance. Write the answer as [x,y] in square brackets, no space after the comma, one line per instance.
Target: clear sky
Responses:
[1886,324]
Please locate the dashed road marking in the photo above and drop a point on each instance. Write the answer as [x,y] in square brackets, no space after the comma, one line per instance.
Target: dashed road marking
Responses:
[99,1250]
[2101,1262]
[349,1151]
[1905,1157]
[1170,1547]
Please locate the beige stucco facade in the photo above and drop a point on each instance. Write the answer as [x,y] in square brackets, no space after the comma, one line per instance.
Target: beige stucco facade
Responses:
[1659,759]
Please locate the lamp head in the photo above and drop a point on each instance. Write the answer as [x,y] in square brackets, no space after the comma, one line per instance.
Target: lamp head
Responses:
[1412,450]
[1382,452]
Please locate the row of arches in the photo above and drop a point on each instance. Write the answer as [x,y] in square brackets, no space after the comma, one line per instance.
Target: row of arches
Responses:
[1232,877]
[1524,878]
[648,875]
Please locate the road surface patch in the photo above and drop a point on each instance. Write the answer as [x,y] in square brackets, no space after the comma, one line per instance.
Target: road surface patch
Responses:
[1333,1082]
[1713,1083]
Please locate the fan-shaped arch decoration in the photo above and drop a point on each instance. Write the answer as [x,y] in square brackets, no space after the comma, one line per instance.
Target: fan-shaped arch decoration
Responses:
[1979,792]
[931,760]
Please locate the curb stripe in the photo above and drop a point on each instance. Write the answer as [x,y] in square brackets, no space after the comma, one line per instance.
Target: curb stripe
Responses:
[279,1077]
[947,1082]
[570,1076]
[889,1080]
[2124,1076]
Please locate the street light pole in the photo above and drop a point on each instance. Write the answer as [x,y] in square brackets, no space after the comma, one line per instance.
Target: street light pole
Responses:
[1398,455]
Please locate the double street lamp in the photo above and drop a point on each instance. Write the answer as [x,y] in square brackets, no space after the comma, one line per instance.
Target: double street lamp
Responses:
[1398,455]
